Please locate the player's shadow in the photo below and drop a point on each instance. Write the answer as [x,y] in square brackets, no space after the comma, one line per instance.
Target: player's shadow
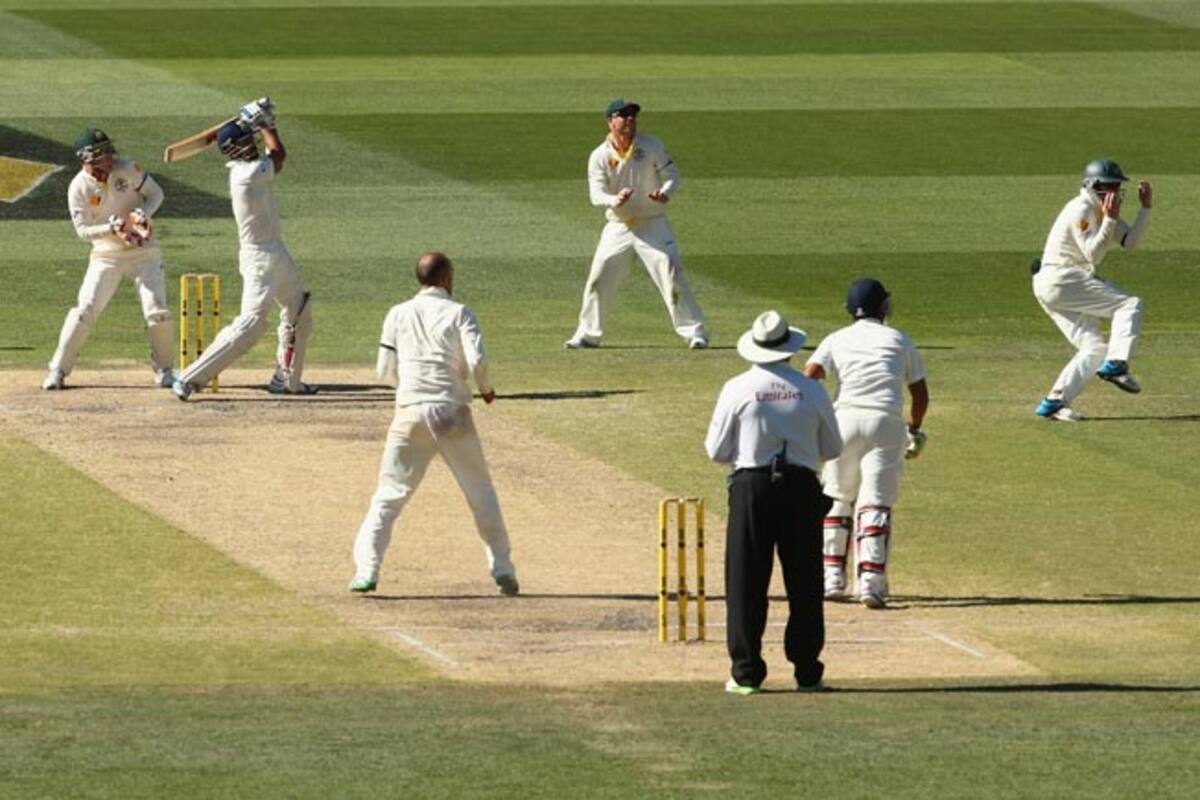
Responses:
[1081,687]
[567,394]
[930,601]
[1149,418]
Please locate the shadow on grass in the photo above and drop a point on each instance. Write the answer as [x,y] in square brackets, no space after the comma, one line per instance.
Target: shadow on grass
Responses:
[1165,418]
[1020,688]
[915,601]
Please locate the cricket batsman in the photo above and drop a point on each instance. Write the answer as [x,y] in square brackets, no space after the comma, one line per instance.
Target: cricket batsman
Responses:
[268,272]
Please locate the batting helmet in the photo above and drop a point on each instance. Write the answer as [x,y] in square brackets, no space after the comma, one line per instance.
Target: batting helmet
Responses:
[1103,172]
[868,298]
[93,144]
[237,142]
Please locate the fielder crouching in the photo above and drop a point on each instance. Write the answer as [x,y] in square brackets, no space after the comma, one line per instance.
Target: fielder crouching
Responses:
[268,272]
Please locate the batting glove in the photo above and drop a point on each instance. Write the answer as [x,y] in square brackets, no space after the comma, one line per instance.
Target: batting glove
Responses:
[258,114]
[916,443]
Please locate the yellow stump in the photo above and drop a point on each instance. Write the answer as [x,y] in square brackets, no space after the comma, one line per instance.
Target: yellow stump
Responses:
[681,506]
[199,321]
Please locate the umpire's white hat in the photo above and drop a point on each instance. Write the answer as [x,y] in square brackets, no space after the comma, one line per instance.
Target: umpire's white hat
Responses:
[770,339]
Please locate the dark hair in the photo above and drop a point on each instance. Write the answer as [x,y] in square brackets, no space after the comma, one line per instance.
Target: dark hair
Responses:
[432,267]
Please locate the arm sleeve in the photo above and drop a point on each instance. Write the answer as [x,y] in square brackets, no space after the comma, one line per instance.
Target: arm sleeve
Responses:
[668,172]
[915,366]
[386,363]
[1132,234]
[152,195]
[829,436]
[472,344]
[823,358]
[597,188]
[721,442]
[1094,243]
[77,204]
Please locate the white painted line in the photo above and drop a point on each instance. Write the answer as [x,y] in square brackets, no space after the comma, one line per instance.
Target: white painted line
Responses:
[943,638]
[416,643]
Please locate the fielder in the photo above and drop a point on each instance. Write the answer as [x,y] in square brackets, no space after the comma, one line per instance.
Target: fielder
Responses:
[872,363]
[111,202]
[1066,286]
[428,347]
[268,272]
[632,176]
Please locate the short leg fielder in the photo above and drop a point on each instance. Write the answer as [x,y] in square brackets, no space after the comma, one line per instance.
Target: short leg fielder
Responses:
[410,447]
[653,241]
[1077,309]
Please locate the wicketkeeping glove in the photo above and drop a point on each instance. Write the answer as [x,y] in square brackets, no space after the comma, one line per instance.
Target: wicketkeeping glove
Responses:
[916,443]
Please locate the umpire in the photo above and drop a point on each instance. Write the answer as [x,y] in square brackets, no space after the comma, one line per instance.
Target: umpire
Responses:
[774,427]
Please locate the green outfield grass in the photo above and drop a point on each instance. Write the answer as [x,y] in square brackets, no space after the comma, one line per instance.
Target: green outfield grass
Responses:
[929,144]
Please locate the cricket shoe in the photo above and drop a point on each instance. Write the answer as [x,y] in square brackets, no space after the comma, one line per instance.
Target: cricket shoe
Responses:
[277,386]
[812,688]
[698,343]
[733,687]
[508,586]
[579,342]
[835,583]
[165,378]
[55,381]
[182,389]
[1117,373]
[362,585]
[1055,409]
[875,600]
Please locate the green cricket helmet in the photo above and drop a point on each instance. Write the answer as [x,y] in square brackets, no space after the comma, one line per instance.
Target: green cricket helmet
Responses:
[93,144]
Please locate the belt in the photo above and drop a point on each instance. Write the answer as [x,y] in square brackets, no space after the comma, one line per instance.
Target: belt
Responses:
[766,470]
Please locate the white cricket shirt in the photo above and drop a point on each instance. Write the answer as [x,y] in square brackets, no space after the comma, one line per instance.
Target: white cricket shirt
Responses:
[91,203]
[765,406]
[429,346]
[872,363]
[645,167]
[1082,235]
[254,205]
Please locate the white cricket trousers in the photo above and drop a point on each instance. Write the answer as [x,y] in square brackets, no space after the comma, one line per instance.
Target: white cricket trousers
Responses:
[653,241]
[410,447]
[268,275]
[867,472]
[104,274]
[1077,307]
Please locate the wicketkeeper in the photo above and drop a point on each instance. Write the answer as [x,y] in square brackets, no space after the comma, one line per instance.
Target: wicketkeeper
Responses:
[111,202]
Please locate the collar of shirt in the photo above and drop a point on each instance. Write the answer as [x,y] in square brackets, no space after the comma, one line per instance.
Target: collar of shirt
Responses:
[433,291]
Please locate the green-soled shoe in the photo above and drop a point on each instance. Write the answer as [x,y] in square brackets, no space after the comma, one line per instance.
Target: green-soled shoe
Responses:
[362,585]
[733,687]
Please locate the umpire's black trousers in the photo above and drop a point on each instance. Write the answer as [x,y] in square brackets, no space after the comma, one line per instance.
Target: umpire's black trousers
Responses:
[765,515]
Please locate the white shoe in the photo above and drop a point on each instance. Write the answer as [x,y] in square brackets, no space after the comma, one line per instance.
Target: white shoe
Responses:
[278,386]
[182,390]
[698,343]
[835,583]
[55,381]
[1067,414]
[579,342]
[873,600]
[164,378]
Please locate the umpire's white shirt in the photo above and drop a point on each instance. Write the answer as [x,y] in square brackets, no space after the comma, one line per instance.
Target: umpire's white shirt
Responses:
[1082,235]
[765,406]
[429,346]
[645,167]
[872,363]
[254,205]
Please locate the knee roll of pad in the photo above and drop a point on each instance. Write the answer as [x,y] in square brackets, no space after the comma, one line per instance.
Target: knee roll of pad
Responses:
[874,538]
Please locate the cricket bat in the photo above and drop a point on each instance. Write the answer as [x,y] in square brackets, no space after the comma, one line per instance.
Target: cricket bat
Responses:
[196,143]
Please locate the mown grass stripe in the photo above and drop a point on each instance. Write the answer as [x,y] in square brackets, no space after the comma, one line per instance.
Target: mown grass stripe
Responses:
[252,33]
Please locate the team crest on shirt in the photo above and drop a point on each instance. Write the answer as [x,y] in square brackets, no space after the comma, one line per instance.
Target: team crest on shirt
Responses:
[121,185]
[1083,224]
[638,154]
[612,163]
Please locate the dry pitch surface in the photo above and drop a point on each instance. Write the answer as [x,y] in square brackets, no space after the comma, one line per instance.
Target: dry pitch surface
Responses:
[281,485]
